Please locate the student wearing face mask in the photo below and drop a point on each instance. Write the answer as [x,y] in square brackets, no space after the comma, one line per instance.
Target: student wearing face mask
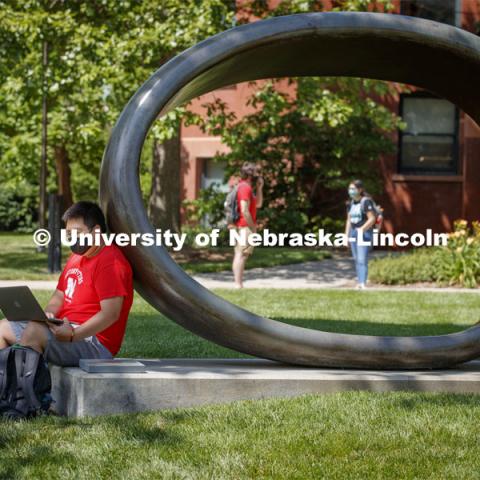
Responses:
[361,219]
[93,297]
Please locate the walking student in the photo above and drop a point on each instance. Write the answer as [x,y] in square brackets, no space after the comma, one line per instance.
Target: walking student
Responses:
[248,203]
[361,219]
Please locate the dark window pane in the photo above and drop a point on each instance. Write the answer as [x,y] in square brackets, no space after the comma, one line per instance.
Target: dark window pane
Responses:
[438,10]
[428,153]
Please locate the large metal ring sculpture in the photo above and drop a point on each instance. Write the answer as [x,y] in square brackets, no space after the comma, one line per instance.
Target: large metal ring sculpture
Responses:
[437,57]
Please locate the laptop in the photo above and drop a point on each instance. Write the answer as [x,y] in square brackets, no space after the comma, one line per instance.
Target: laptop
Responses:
[19,305]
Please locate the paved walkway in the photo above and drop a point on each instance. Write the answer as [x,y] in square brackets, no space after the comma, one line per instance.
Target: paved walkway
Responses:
[329,273]
[335,273]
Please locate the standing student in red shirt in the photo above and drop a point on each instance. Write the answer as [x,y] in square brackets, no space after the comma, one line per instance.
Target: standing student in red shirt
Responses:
[248,203]
[93,297]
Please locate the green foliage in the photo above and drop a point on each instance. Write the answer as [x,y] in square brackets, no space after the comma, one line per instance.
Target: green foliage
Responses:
[460,259]
[18,207]
[263,8]
[310,144]
[458,263]
[100,52]
[207,209]
[420,265]
[329,224]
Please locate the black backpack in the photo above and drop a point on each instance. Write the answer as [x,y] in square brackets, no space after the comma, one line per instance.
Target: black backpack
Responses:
[232,214]
[25,383]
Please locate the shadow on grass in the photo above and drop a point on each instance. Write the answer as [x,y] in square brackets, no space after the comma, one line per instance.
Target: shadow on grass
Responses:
[429,400]
[154,336]
[25,454]
[26,260]
[15,465]
[364,327]
[29,262]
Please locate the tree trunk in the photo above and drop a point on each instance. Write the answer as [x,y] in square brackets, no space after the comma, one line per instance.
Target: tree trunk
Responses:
[62,165]
[164,202]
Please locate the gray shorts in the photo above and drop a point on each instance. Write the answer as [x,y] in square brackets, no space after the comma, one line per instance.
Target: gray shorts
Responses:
[67,354]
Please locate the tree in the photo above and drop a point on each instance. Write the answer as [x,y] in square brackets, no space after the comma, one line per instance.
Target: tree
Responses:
[100,52]
[309,144]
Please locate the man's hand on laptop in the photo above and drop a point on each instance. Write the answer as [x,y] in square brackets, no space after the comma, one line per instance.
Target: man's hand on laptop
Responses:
[63,333]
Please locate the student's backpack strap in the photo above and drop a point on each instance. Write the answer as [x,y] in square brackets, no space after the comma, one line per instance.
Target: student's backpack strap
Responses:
[363,200]
[5,375]
[362,203]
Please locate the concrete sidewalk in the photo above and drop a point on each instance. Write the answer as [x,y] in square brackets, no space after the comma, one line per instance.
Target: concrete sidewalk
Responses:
[337,272]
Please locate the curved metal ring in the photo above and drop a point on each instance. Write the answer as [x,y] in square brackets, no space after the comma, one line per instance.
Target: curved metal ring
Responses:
[440,58]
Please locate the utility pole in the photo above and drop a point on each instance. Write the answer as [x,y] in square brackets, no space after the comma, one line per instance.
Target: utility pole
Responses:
[42,214]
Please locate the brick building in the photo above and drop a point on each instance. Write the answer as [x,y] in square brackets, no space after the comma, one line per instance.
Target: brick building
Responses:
[434,176]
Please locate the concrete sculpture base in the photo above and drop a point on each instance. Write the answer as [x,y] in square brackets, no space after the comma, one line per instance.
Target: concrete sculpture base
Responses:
[175,383]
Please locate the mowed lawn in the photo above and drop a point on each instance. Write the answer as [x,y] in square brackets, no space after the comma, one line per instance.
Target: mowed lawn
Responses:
[149,334]
[20,260]
[351,435]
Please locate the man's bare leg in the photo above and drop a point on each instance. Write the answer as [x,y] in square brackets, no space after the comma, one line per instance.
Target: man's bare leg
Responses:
[35,336]
[238,267]
[7,337]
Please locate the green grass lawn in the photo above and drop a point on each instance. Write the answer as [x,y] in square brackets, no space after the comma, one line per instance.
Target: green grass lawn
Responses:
[261,257]
[149,334]
[351,435]
[19,258]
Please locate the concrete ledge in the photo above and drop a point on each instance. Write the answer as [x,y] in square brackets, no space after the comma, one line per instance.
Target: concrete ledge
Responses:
[173,383]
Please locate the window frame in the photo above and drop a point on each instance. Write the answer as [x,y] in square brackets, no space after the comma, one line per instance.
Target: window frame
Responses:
[455,169]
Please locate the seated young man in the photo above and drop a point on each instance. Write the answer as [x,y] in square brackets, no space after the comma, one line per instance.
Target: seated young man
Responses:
[93,298]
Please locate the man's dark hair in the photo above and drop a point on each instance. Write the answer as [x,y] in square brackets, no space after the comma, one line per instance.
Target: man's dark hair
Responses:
[247,170]
[89,212]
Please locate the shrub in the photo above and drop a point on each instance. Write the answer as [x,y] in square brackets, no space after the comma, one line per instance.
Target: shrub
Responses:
[412,267]
[18,207]
[460,259]
[207,210]
[458,263]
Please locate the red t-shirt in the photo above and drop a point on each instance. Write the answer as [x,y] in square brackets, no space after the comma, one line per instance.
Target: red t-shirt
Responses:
[245,192]
[86,281]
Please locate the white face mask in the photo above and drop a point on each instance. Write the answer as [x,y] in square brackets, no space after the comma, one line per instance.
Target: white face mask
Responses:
[353,192]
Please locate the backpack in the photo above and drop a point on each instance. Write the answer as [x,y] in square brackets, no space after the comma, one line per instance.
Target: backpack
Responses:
[377,211]
[25,383]
[232,214]
[379,215]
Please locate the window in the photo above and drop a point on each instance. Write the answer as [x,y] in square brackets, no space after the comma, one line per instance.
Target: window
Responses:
[439,10]
[213,173]
[429,143]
